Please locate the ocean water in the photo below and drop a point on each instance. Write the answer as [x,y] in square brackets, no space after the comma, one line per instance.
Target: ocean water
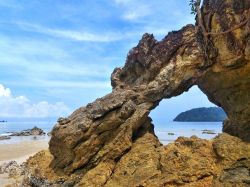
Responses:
[19,126]
[186,129]
[9,127]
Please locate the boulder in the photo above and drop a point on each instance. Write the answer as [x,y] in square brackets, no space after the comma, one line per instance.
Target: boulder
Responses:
[5,137]
[35,131]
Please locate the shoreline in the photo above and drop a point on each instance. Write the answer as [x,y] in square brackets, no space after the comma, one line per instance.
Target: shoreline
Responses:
[19,152]
[22,150]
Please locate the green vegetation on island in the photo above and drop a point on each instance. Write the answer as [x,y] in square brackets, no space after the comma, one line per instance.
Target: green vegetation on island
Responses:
[171,134]
[211,114]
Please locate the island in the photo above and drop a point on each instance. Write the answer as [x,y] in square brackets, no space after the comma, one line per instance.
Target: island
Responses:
[211,114]
[3,121]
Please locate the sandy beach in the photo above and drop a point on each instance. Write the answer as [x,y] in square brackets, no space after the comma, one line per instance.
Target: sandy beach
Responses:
[19,152]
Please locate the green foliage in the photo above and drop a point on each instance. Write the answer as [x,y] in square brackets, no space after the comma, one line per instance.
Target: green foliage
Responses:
[194,4]
[202,114]
[171,134]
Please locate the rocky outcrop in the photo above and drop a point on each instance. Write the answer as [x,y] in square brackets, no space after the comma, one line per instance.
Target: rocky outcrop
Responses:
[11,168]
[186,162]
[111,142]
[35,131]
[5,137]
[227,83]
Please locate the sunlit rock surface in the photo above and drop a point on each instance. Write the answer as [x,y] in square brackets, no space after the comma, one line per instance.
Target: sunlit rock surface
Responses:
[223,161]
[111,142]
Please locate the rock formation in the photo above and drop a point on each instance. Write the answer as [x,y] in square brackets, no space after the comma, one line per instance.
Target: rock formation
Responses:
[5,137]
[111,142]
[35,131]
[11,168]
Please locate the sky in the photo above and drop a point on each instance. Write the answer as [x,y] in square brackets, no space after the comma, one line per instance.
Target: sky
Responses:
[58,55]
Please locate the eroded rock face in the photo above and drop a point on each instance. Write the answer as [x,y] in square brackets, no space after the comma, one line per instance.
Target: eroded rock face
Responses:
[227,82]
[106,129]
[186,162]
[111,142]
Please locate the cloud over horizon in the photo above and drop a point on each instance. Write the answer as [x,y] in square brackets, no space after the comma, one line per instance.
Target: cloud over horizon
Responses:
[66,51]
[22,107]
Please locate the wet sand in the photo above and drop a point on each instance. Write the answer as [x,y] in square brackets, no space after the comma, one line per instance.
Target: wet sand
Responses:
[21,151]
[5,180]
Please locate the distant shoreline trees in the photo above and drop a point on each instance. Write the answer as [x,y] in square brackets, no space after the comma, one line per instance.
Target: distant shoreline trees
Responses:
[211,114]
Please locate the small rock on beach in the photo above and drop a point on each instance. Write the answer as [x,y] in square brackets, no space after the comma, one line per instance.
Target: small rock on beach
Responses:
[29,132]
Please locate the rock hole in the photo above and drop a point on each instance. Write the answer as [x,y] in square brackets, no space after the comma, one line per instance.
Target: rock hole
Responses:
[168,130]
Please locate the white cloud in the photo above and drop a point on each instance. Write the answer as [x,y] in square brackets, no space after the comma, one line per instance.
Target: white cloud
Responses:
[133,15]
[133,10]
[123,1]
[4,92]
[71,34]
[21,106]
[33,57]
[52,69]
[77,84]
[136,12]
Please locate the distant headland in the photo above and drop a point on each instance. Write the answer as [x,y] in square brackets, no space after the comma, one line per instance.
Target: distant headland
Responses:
[3,121]
[211,114]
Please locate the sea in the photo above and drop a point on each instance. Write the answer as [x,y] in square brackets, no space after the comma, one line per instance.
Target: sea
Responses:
[167,132]
[7,128]
[170,131]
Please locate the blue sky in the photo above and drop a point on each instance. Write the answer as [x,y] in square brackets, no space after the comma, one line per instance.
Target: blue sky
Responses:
[57,55]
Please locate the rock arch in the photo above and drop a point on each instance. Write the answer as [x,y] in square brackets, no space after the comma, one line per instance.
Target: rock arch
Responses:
[104,143]
[153,71]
